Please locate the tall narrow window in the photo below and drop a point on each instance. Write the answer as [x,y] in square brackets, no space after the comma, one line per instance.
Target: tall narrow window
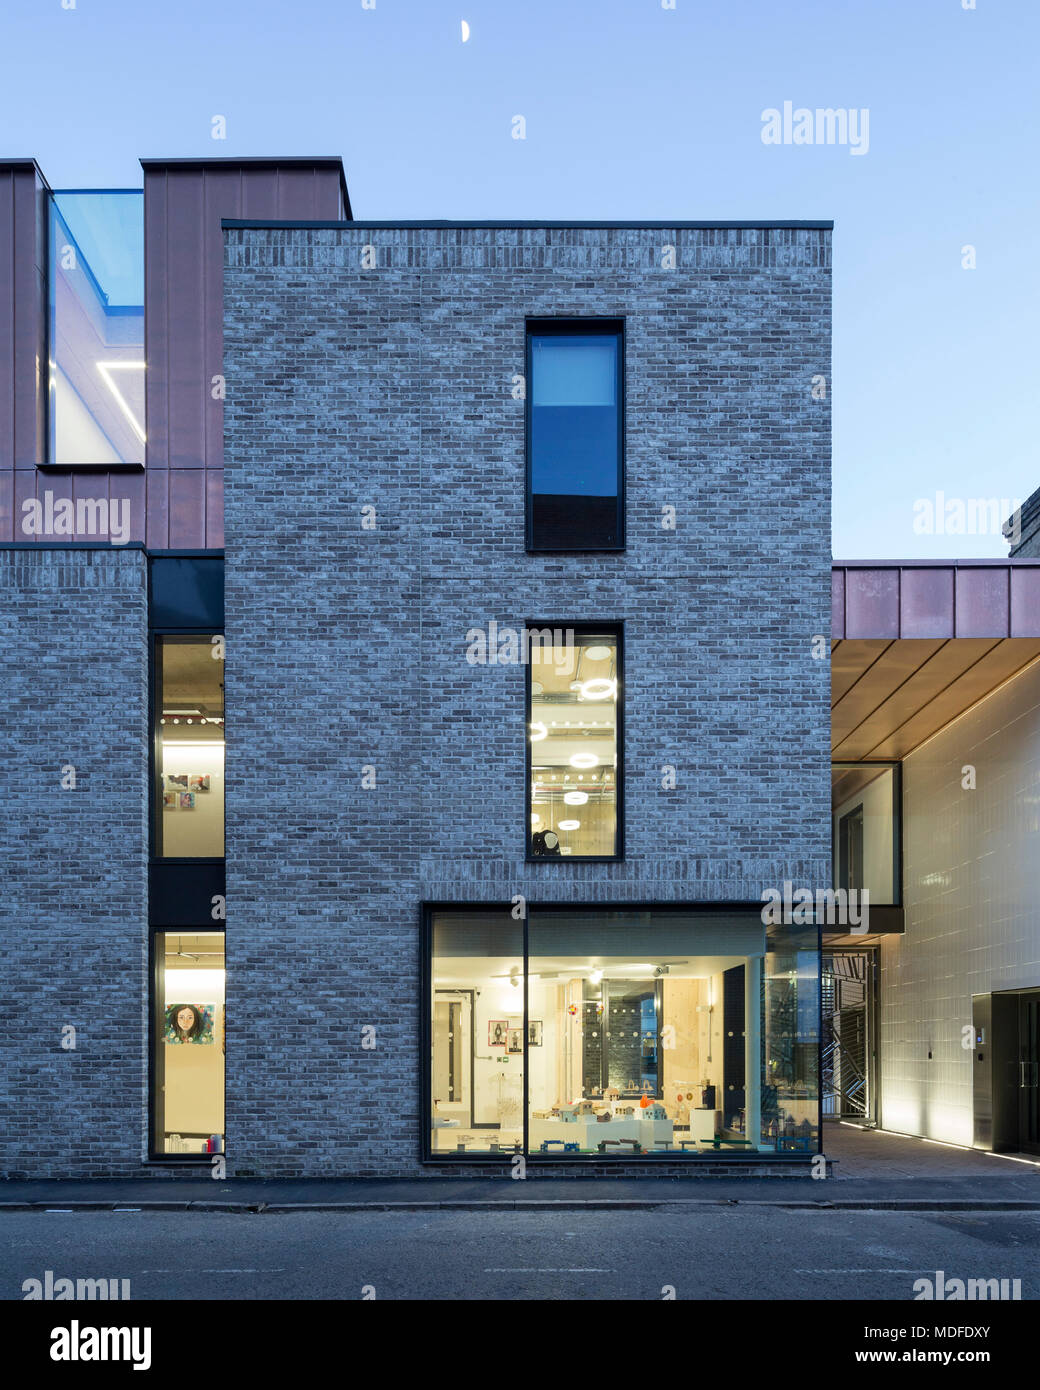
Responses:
[97,362]
[188,1043]
[189,742]
[574,763]
[575,495]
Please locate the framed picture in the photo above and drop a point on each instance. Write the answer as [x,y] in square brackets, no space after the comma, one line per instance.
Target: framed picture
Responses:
[187,800]
[534,1032]
[498,1032]
[516,1040]
[197,782]
[177,781]
[169,801]
[188,1023]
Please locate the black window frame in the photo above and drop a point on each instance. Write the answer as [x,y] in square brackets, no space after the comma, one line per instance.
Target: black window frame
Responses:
[432,1159]
[899,829]
[218,928]
[567,328]
[616,627]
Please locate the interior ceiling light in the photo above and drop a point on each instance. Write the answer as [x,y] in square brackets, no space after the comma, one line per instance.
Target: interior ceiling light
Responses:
[575,798]
[569,824]
[584,760]
[538,731]
[104,368]
[599,688]
[597,653]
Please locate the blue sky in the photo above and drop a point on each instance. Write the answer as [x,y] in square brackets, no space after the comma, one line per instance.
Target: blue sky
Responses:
[636,111]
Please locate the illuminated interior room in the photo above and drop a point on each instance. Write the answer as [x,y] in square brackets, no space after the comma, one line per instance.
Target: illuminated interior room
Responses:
[573,733]
[630,1033]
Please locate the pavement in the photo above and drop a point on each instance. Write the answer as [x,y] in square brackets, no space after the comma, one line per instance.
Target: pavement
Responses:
[871,1170]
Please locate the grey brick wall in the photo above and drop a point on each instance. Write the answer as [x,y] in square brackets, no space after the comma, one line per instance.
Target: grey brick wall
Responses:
[392,388]
[73,889]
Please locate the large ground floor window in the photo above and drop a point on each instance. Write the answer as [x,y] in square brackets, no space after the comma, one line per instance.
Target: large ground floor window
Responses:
[621,1032]
[188,1043]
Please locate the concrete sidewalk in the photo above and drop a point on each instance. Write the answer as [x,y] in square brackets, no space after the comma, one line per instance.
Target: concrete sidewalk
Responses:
[871,1170]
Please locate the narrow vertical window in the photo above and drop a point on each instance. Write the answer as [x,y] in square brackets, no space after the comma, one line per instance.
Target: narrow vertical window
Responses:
[575,435]
[188,1043]
[574,743]
[189,742]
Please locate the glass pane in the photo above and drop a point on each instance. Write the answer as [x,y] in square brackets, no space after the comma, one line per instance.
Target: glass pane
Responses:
[649,1028]
[189,1042]
[97,328]
[790,1100]
[572,726]
[477,1052]
[190,748]
[575,442]
[866,828]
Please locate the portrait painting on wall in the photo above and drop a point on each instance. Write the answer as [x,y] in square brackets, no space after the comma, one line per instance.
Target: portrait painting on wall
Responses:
[189,1023]
[197,782]
[187,801]
[498,1031]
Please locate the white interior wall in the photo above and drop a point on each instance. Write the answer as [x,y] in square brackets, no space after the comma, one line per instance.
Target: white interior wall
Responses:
[971,883]
[876,800]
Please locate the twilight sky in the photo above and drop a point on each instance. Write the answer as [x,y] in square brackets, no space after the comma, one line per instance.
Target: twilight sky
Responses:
[633,110]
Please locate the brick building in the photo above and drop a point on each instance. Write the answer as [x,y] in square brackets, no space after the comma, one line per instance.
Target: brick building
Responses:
[448,892]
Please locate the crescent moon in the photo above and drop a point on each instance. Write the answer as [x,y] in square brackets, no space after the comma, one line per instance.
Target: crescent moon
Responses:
[465,31]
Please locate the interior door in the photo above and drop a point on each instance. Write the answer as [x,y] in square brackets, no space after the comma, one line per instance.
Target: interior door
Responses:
[453,1055]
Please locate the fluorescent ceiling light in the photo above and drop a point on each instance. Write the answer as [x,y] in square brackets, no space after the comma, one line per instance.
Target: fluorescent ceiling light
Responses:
[599,688]
[584,760]
[569,824]
[575,798]
[597,653]
[104,368]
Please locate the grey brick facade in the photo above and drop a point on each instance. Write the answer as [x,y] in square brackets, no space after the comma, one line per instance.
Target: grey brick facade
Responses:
[73,896]
[392,388]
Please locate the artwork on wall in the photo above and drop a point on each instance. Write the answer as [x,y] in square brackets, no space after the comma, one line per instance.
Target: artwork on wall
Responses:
[516,1040]
[181,788]
[534,1032]
[189,1023]
[498,1030]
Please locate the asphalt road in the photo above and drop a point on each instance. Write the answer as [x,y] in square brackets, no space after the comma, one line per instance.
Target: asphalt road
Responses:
[729,1252]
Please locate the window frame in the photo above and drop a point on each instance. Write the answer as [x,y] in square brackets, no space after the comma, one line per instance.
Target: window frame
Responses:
[157,636]
[617,628]
[567,327]
[899,829]
[153,1154]
[430,1158]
